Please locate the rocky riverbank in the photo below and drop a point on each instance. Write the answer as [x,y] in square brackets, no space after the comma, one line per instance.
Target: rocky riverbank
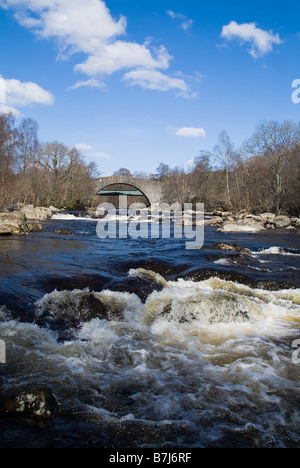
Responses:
[24,219]
[246,222]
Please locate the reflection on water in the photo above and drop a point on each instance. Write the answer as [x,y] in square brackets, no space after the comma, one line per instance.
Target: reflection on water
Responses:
[145,344]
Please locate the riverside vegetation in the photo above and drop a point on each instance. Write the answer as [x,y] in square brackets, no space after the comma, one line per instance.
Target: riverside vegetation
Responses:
[257,185]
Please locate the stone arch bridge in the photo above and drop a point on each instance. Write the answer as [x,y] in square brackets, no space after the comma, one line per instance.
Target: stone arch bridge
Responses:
[108,190]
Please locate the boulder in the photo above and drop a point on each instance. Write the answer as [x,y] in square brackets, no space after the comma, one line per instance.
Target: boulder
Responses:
[242,227]
[36,403]
[5,231]
[232,248]
[253,224]
[38,213]
[67,310]
[213,221]
[11,208]
[14,222]
[295,222]
[282,222]
[268,217]
[54,210]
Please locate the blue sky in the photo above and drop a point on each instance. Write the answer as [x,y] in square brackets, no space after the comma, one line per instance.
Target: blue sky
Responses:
[135,83]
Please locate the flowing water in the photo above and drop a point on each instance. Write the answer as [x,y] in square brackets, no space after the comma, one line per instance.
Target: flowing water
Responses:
[147,344]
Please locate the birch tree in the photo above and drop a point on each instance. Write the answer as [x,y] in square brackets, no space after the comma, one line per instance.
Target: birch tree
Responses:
[225,154]
[27,144]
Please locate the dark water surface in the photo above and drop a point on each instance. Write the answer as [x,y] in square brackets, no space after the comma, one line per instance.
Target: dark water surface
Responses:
[196,349]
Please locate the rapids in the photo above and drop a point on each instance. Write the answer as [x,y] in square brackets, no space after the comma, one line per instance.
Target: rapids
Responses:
[145,344]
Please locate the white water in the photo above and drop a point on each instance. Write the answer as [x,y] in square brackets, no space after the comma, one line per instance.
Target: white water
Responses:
[209,358]
[276,251]
[70,217]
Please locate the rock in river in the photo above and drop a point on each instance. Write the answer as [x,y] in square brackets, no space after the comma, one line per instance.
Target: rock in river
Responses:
[15,222]
[36,403]
[63,231]
[38,213]
[5,231]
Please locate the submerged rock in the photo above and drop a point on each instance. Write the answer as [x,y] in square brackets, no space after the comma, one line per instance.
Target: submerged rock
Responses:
[65,309]
[195,304]
[35,227]
[153,278]
[202,274]
[63,231]
[36,403]
[232,248]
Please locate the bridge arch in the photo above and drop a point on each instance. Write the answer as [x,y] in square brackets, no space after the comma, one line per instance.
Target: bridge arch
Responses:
[112,192]
[108,189]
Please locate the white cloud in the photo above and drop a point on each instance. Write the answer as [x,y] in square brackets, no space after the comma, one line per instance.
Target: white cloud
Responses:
[89,150]
[155,80]
[190,132]
[15,93]
[120,55]
[172,14]
[74,23]
[91,83]
[261,42]
[26,93]
[9,110]
[83,147]
[185,22]
[87,26]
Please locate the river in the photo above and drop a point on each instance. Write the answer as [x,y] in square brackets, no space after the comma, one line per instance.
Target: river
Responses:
[195,350]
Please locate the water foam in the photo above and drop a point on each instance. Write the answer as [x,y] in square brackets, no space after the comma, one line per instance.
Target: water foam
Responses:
[70,217]
[277,251]
[197,361]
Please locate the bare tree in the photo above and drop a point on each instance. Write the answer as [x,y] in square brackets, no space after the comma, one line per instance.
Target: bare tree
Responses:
[198,177]
[7,158]
[163,171]
[123,172]
[27,144]
[273,141]
[54,157]
[225,154]
[7,144]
